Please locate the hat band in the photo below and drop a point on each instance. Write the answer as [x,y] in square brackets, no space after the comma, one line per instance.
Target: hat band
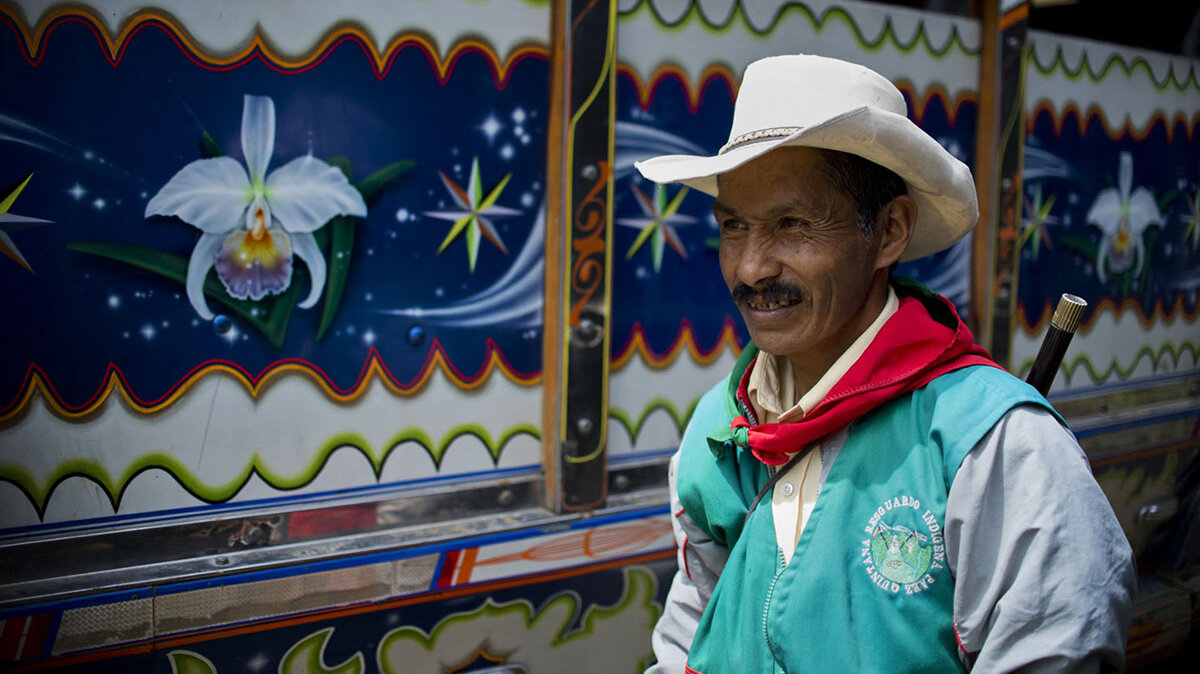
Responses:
[761,134]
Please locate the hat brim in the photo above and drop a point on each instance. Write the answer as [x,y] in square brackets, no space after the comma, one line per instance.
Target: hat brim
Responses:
[940,184]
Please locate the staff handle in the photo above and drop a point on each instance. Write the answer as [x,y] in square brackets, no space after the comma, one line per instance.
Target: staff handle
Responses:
[1063,325]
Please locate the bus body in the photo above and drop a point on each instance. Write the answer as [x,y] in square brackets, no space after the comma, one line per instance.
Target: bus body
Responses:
[379,345]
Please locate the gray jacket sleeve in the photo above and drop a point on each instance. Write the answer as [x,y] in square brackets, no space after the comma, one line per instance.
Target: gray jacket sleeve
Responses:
[1044,575]
[700,563]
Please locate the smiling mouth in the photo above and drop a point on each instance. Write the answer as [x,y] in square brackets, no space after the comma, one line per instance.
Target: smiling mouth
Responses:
[771,305]
[769,297]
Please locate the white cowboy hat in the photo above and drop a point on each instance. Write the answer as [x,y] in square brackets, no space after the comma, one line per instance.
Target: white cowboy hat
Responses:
[814,101]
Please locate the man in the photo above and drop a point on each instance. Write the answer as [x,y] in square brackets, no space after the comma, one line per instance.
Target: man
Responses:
[867,491]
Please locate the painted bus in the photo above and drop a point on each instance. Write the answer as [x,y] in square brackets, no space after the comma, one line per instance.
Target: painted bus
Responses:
[344,337]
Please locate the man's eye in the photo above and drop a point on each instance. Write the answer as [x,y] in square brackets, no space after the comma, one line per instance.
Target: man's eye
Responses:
[791,223]
[731,224]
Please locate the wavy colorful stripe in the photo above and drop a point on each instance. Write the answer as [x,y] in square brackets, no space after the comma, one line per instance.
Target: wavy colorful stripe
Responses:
[1159,313]
[685,340]
[1101,374]
[1115,132]
[634,426]
[1128,66]
[114,382]
[34,41]
[719,74]
[39,491]
[889,34]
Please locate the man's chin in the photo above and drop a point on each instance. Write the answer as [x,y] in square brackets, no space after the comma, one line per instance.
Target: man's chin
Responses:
[768,341]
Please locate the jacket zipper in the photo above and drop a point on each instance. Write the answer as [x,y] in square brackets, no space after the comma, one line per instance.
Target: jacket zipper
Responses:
[780,568]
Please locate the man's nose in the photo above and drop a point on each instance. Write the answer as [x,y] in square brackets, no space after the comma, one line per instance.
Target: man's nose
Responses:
[759,259]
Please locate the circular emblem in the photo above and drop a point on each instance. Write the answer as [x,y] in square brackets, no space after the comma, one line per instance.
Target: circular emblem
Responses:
[904,545]
[901,554]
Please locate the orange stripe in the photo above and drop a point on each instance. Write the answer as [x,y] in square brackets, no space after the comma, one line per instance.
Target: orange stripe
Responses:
[1015,15]
[466,564]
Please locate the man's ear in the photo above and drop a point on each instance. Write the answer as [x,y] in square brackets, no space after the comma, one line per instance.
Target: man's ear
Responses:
[894,228]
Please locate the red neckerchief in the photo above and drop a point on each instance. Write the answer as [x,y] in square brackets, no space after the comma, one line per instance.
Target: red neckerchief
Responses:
[910,350]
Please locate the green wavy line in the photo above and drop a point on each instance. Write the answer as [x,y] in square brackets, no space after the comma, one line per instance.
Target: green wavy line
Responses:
[634,428]
[39,492]
[1098,375]
[558,613]
[1085,67]
[889,33]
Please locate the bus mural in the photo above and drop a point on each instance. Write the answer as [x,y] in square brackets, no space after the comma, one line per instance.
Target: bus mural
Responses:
[349,339]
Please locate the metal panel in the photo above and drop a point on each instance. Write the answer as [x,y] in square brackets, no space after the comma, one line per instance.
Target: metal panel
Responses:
[226,604]
[105,624]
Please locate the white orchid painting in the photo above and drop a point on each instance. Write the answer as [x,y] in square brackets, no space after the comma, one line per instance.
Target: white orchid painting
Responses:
[252,223]
[1122,214]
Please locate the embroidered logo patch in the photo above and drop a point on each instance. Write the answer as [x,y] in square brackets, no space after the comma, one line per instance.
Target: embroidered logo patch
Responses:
[900,557]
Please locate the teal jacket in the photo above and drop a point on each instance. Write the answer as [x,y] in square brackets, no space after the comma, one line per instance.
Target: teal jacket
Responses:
[868,588]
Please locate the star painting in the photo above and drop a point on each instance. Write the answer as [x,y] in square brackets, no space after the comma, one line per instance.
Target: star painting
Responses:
[1034,228]
[10,222]
[474,218]
[658,224]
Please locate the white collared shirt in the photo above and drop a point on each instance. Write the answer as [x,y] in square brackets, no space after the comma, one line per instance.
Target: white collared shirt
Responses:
[772,391]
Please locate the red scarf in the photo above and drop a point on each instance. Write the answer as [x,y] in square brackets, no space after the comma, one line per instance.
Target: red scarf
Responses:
[910,350]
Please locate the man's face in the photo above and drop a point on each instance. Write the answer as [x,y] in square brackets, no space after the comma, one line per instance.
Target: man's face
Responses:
[805,278]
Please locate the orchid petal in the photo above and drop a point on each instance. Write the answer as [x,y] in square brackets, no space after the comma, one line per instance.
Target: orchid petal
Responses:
[258,134]
[259,209]
[306,193]
[1105,213]
[305,247]
[1125,175]
[252,266]
[1143,212]
[209,194]
[204,255]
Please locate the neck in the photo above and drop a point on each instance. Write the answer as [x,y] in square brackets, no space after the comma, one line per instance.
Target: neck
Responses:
[808,368]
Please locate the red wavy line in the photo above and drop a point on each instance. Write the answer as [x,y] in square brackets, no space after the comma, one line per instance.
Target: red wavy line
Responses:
[114,379]
[1082,118]
[1158,312]
[115,47]
[685,338]
[720,74]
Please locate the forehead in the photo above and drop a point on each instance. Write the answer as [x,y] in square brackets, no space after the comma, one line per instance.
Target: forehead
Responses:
[787,175]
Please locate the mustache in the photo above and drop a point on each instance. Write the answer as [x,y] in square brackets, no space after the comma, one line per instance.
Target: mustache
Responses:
[776,291]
